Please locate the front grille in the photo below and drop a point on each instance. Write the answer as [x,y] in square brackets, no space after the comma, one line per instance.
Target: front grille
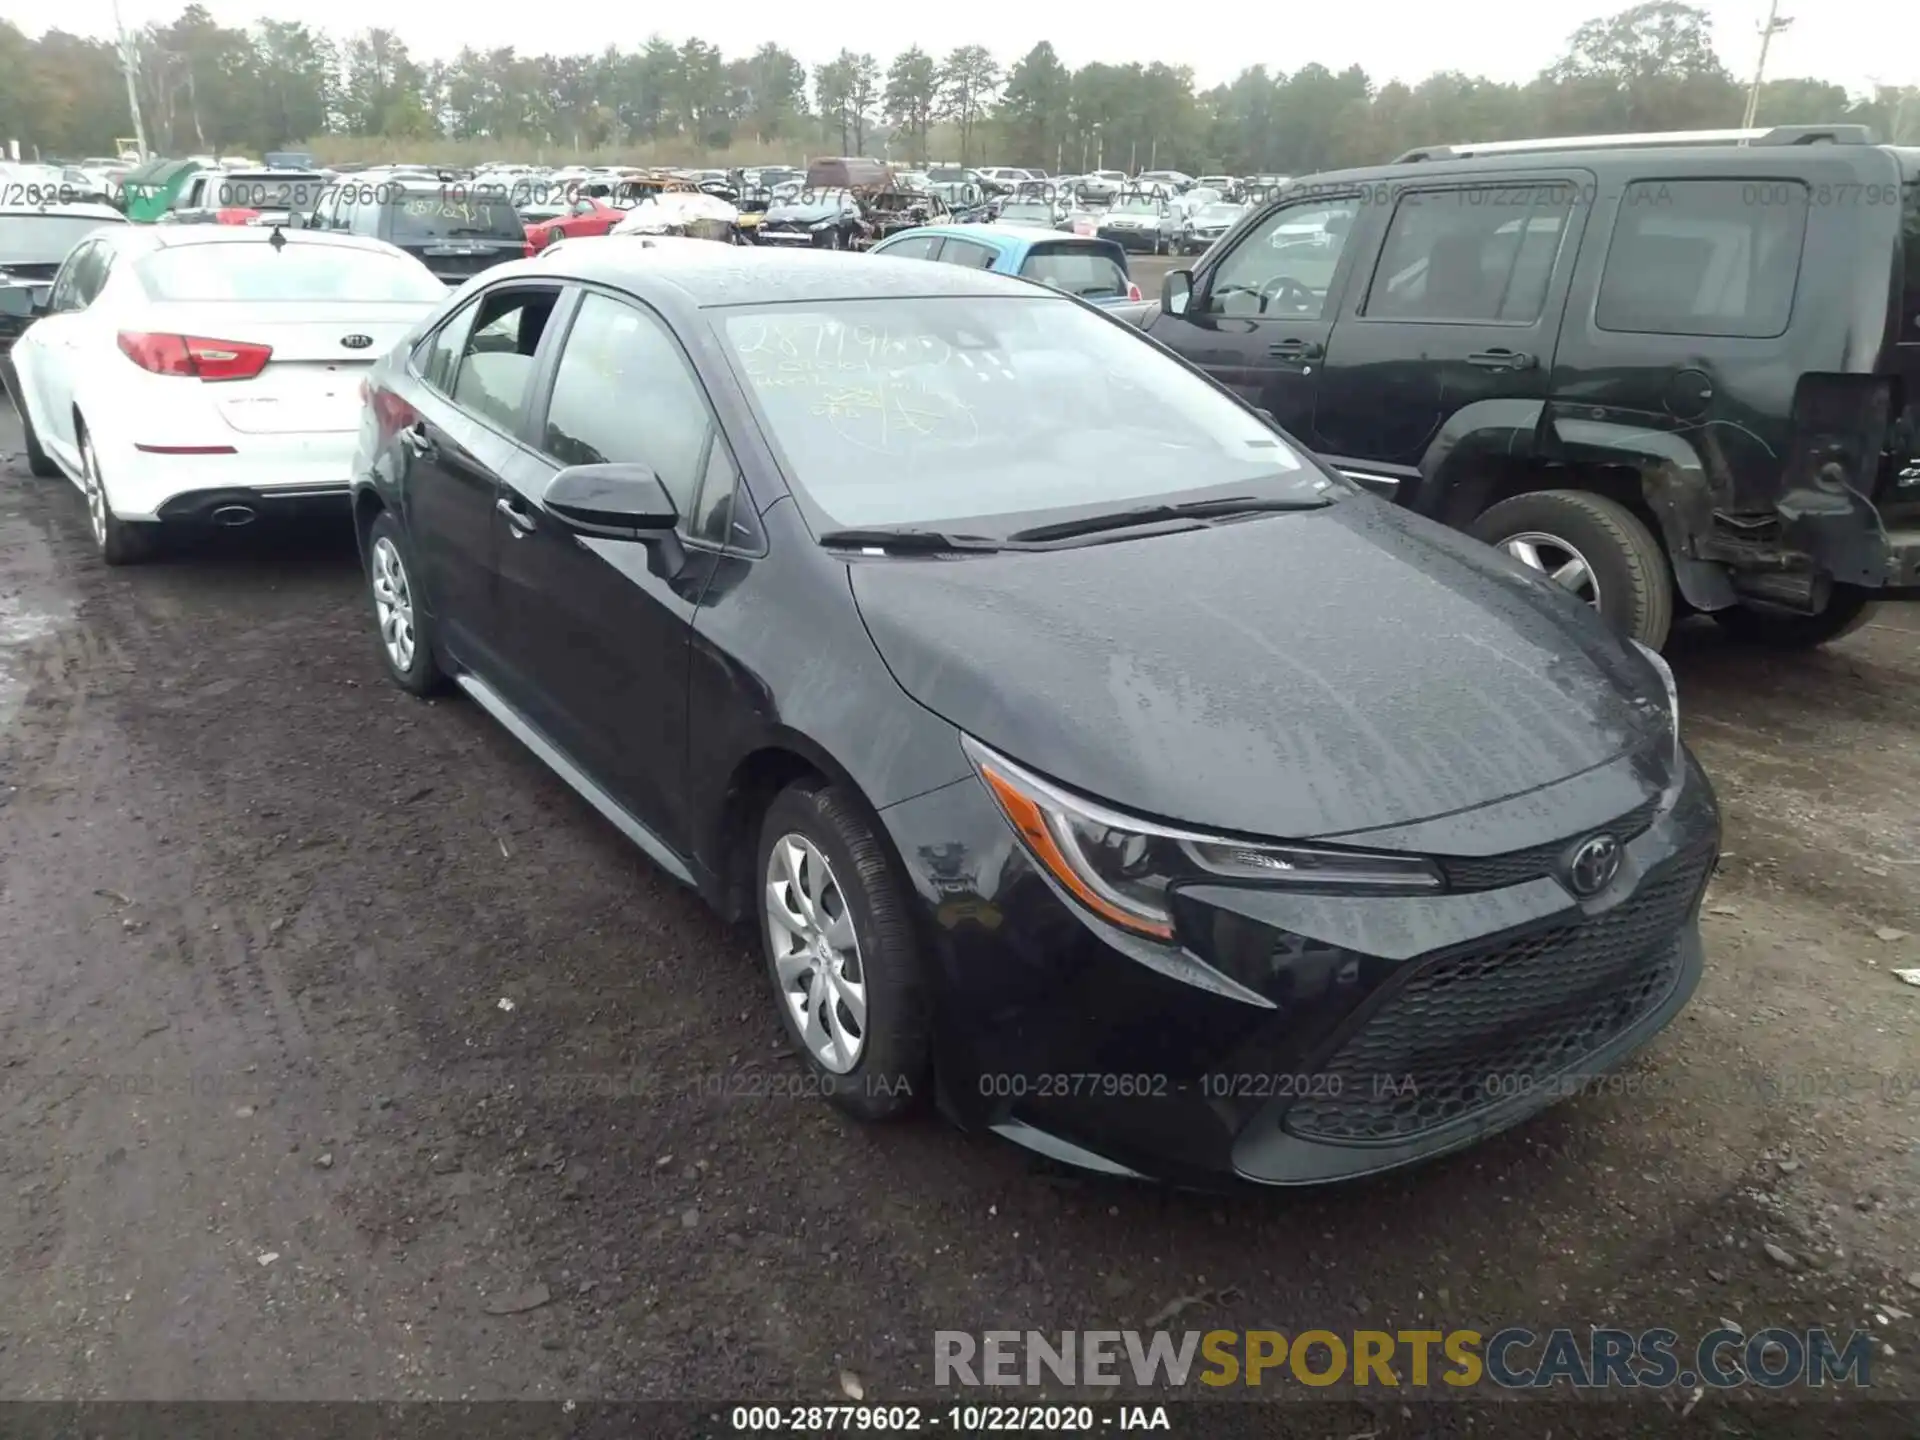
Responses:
[1466,1031]
[1490,872]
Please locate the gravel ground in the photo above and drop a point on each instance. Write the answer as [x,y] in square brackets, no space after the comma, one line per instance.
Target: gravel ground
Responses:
[332,1027]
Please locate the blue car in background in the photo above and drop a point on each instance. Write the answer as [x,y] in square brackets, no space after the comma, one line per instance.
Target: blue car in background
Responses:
[1083,265]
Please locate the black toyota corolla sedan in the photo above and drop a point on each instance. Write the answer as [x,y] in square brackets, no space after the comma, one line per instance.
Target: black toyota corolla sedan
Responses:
[1087,755]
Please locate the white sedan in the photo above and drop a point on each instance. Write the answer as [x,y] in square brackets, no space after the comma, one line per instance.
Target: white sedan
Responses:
[206,373]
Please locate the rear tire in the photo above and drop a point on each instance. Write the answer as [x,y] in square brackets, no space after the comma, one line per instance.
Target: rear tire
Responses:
[39,463]
[1630,581]
[404,627]
[1846,612]
[819,859]
[120,542]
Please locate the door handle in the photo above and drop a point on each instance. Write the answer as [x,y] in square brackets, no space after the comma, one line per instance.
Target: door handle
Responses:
[416,438]
[1501,360]
[518,520]
[1296,349]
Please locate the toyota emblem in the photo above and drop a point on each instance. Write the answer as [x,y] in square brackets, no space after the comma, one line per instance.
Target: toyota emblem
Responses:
[356,342]
[1596,860]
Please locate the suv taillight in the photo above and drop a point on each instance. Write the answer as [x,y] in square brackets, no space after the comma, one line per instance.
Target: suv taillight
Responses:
[1133,291]
[194,356]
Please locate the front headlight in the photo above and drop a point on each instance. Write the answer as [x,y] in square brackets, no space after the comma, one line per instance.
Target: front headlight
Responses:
[1123,868]
[1677,755]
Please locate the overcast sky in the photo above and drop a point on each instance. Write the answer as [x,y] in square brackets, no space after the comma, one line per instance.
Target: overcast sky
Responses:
[1850,41]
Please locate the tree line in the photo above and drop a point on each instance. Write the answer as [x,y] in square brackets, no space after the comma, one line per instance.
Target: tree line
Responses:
[207,88]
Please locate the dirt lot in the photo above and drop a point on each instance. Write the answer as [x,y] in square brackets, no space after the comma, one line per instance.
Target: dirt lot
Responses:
[331,1023]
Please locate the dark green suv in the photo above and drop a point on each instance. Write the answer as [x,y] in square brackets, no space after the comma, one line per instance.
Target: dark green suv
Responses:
[1673,371]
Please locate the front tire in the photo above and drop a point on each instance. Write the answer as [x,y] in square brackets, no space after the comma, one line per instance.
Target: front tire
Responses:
[841,952]
[120,542]
[405,628]
[1594,547]
[1846,612]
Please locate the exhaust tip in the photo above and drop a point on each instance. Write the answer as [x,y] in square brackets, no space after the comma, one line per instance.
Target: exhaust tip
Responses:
[232,515]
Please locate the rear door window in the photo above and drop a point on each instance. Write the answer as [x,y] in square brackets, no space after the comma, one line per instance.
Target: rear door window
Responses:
[1704,257]
[495,374]
[1091,271]
[1476,255]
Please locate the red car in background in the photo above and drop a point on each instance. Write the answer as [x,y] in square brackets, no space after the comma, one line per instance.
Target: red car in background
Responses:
[584,217]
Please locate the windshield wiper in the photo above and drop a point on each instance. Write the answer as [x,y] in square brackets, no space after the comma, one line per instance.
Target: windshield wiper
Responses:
[917,542]
[1151,514]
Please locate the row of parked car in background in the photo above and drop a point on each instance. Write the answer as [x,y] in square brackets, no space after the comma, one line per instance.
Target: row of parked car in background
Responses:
[1424,339]
[869,594]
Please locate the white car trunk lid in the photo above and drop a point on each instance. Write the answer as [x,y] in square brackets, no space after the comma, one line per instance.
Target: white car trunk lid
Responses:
[320,354]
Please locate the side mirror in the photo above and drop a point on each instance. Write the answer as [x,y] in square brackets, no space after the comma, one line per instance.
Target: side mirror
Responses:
[1176,288]
[296,220]
[616,502]
[21,301]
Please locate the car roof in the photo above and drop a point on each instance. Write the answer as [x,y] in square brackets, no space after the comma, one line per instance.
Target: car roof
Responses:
[1611,157]
[1015,236]
[172,237]
[707,274]
[106,214]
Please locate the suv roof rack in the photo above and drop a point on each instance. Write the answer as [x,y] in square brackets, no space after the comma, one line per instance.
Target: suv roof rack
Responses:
[1777,135]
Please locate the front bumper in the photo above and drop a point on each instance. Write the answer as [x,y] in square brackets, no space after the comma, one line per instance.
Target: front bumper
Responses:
[782,235]
[1312,1038]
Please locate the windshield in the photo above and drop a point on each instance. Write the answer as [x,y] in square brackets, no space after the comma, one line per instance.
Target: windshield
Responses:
[1137,205]
[43,239]
[449,215]
[1028,210]
[1220,214]
[297,271]
[929,410]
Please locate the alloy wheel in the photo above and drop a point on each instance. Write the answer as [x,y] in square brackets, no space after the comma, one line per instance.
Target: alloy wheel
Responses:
[816,956]
[95,492]
[1558,560]
[393,604]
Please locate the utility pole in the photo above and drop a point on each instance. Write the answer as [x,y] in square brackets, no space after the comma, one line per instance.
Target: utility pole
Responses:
[129,63]
[1776,22]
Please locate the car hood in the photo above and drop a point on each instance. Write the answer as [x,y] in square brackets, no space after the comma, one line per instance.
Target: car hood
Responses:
[808,214]
[1292,675]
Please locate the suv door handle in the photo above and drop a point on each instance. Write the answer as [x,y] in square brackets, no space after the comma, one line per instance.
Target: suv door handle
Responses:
[1500,360]
[518,520]
[1296,349]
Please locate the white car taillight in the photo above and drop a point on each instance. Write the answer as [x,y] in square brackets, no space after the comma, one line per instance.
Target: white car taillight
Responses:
[194,356]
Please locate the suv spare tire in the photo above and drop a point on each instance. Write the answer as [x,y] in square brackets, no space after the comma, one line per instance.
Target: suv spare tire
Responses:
[1596,547]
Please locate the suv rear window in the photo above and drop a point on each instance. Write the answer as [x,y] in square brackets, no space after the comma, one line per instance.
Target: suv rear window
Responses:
[1088,270]
[449,215]
[1704,257]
